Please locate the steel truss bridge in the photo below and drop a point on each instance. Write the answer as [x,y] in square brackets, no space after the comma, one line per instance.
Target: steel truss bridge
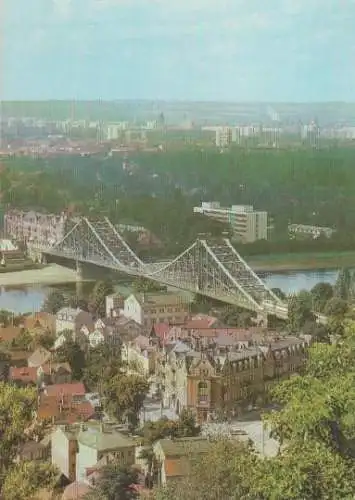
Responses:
[210,268]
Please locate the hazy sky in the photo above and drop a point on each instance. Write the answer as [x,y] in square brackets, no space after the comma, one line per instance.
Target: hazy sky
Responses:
[266,50]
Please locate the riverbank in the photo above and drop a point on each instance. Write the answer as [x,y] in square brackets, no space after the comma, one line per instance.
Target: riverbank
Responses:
[26,265]
[301,261]
[49,275]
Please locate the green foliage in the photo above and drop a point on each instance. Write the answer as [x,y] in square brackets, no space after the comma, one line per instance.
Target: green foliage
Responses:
[343,285]
[26,479]
[185,426]
[114,483]
[299,311]
[102,363]
[321,294]
[97,300]
[125,395]
[16,411]
[224,472]
[54,302]
[145,285]
[336,309]
[24,341]
[71,352]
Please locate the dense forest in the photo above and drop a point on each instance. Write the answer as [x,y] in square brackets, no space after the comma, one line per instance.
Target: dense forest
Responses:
[158,190]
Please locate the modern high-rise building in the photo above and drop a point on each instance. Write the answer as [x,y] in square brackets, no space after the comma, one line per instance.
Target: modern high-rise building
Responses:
[248,225]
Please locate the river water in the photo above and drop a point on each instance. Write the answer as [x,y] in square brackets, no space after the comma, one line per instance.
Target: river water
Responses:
[30,298]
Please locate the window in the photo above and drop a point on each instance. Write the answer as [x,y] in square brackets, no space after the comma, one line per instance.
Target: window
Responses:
[161,310]
[202,392]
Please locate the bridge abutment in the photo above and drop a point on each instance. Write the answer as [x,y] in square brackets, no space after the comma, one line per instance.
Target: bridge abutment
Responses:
[262,319]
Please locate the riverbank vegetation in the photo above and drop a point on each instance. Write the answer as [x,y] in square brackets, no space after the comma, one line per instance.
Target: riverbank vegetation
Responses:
[160,190]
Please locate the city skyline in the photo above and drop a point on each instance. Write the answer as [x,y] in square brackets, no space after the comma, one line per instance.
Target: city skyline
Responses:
[194,51]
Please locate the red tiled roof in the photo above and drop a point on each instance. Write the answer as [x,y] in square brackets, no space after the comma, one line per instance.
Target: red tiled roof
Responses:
[24,374]
[72,389]
[9,333]
[161,330]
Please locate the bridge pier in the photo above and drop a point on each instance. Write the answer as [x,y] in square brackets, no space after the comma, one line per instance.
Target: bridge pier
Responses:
[79,279]
[262,319]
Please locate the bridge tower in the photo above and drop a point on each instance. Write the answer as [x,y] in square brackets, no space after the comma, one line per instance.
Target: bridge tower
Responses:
[79,278]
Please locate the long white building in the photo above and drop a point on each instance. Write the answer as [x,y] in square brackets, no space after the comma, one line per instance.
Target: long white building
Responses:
[248,225]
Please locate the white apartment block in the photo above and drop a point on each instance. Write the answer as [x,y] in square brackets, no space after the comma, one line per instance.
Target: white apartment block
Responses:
[227,135]
[248,225]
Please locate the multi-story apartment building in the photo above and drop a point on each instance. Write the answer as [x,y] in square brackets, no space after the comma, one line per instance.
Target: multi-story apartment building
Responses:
[248,225]
[34,226]
[224,379]
[307,231]
[149,308]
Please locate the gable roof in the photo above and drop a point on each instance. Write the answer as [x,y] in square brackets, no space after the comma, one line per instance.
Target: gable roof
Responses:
[75,388]
[24,374]
[9,333]
[39,357]
[176,448]
[103,438]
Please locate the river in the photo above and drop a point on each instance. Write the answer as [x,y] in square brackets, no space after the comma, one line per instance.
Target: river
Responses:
[30,298]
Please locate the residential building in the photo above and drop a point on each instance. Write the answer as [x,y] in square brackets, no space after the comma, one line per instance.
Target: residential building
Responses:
[113,303]
[149,308]
[171,457]
[72,319]
[223,136]
[226,375]
[141,354]
[54,373]
[23,375]
[34,226]
[64,449]
[304,231]
[64,403]
[96,440]
[9,333]
[247,225]
[40,357]
[39,321]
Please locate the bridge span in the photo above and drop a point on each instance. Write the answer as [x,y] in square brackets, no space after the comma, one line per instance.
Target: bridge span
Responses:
[210,268]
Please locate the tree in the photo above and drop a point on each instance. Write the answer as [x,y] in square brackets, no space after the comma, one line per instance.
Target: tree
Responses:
[336,309]
[102,363]
[98,295]
[186,425]
[146,285]
[25,479]
[321,294]
[299,311]
[71,352]
[16,412]
[114,483]
[343,284]
[279,293]
[223,471]
[5,360]
[54,302]
[125,395]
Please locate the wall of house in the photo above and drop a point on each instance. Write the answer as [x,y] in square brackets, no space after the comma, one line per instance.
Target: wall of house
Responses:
[87,457]
[132,309]
[60,452]
[63,324]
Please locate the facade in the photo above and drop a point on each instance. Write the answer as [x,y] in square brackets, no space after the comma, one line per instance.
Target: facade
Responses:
[248,225]
[141,354]
[309,232]
[72,319]
[95,441]
[34,226]
[64,450]
[223,378]
[149,308]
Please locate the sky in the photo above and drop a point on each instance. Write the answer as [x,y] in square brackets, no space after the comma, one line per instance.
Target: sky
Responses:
[215,50]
